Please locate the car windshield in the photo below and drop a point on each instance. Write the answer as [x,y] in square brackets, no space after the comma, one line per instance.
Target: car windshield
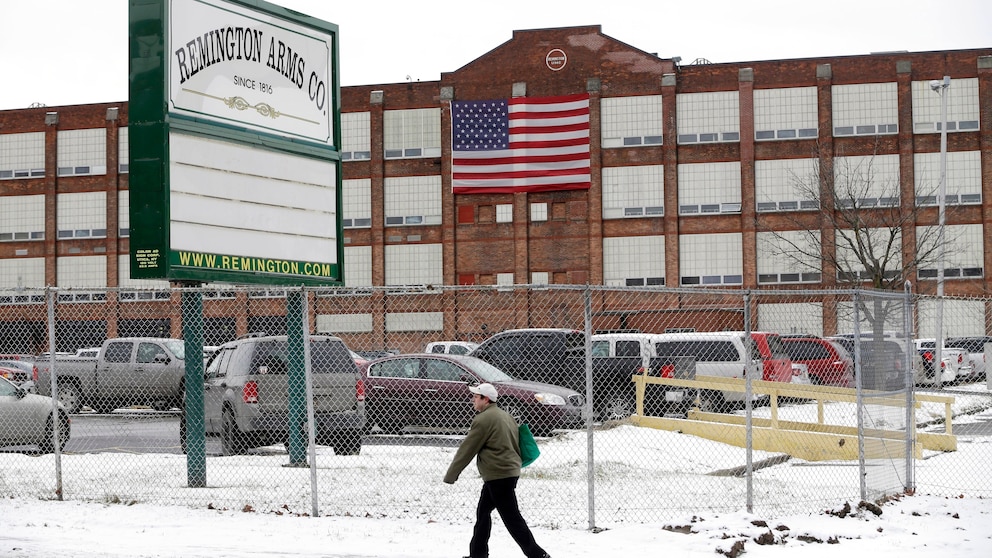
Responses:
[177,347]
[486,371]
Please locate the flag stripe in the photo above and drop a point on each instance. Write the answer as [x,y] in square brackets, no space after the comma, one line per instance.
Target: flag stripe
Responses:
[520,144]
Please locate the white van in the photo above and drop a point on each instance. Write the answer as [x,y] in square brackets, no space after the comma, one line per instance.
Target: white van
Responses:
[624,345]
[451,347]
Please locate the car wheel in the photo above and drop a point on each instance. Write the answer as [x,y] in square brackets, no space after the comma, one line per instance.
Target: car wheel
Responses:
[182,433]
[515,410]
[347,442]
[45,444]
[713,402]
[232,440]
[616,407]
[70,397]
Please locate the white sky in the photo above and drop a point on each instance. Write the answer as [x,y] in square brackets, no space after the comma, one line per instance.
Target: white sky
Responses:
[60,52]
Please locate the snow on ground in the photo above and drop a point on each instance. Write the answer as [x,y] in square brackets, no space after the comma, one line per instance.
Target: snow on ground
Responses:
[951,514]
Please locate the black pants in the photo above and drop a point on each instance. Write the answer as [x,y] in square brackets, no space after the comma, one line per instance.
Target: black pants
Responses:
[501,495]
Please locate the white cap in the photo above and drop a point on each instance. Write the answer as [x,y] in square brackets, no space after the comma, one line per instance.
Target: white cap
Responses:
[486,390]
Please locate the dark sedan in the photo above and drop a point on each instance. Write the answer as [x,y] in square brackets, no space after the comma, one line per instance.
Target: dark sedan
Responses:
[432,390]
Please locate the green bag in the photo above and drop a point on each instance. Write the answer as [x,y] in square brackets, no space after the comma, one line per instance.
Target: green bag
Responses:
[529,451]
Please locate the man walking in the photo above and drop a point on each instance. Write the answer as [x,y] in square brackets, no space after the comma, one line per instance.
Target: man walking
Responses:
[494,441]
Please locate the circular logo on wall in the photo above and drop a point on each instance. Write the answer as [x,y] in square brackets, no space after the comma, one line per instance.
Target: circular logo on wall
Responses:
[556,59]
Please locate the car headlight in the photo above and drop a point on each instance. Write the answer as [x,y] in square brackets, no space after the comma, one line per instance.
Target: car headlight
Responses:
[549,399]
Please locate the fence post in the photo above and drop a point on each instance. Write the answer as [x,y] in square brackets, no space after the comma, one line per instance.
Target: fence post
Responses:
[296,379]
[907,314]
[859,407]
[749,405]
[311,422]
[590,459]
[196,443]
[55,392]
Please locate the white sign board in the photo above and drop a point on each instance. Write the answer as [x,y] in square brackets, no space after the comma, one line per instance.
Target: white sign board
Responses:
[232,65]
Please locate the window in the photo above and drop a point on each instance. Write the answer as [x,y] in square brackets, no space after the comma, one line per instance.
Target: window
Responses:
[147,352]
[540,277]
[634,261]
[82,152]
[119,352]
[414,265]
[866,181]
[414,321]
[344,323]
[123,150]
[358,266]
[22,218]
[504,279]
[538,212]
[123,213]
[22,273]
[787,185]
[82,215]
[356,204]
[631,121]
[708,117]
[412,133]
[707,188]
[23,155]
[504,213]
[849,266]
[791,317]
[962,107]
[633,191]
[82,272]
[963,184]
[865,109]
[412,200]
[785,113]
[356,136]
[788,257]
[711,259]
[963,251]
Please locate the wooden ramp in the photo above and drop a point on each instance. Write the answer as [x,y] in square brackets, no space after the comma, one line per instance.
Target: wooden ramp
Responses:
[812,441]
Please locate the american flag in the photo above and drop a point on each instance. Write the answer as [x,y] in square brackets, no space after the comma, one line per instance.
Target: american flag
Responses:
[520,145]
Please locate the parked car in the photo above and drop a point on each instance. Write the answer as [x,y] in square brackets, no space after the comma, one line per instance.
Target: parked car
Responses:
[724,354]
[557,356]
[975,346]
[246,394]
[883,362]
[955,363]
[378,353]
[451,347]
[431,389]
[128,370]
[27,419]
[827,361]
[21,371]
[775,359]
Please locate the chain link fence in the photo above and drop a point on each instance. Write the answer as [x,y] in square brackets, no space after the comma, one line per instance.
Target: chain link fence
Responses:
[647,402]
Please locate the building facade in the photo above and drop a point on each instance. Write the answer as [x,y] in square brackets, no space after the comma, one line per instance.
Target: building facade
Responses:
[710,175]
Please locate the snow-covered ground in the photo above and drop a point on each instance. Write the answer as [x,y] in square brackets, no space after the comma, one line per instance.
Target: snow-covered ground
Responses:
[948,523]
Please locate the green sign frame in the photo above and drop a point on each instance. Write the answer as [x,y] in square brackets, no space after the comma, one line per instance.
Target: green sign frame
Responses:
[234,144]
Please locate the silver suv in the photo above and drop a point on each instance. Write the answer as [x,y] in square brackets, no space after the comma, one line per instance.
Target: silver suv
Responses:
[246,394]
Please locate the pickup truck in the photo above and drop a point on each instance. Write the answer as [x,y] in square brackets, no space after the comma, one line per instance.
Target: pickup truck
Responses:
[557,356]
[127,371]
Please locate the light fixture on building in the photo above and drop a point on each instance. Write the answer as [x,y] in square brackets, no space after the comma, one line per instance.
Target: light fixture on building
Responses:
[112,113]
[51,118]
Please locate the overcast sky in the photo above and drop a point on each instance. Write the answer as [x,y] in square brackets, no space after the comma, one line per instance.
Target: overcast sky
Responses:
[62,52]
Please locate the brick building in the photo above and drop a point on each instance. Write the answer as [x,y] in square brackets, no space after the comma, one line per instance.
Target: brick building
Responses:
[699,174]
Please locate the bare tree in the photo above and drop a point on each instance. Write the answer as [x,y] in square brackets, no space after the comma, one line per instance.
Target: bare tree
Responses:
[860,236]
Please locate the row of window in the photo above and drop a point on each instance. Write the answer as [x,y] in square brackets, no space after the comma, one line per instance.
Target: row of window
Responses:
[779,114]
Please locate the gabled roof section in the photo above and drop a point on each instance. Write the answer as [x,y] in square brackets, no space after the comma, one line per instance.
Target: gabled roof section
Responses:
[547,59]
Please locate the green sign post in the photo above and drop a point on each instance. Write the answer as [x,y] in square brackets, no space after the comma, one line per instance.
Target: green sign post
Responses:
[234,123]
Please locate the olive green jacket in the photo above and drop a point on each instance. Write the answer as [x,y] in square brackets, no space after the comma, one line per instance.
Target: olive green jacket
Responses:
[494,441]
